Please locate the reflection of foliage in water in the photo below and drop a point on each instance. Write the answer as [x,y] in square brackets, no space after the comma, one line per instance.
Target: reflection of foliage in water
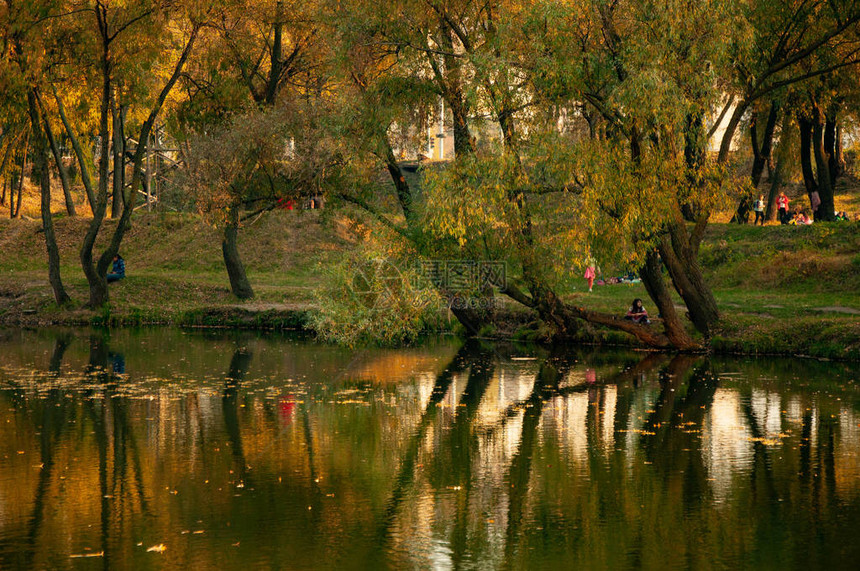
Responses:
[560,458]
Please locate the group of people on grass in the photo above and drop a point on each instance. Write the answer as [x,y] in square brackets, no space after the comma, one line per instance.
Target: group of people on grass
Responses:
[784,214]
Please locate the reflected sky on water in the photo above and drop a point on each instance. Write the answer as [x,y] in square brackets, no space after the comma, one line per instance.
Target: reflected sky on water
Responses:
[169,449]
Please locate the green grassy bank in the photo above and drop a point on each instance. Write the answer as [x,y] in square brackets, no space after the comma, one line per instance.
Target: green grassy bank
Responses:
[782,289]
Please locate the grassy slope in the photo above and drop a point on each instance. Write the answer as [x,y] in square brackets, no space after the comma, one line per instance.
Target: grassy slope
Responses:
[782,289]
[174,266]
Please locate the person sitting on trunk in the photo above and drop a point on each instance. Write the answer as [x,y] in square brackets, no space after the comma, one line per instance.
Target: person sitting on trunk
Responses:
[117,272]
[637,313]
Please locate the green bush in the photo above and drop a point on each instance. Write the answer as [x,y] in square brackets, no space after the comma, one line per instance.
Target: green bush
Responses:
[372,299]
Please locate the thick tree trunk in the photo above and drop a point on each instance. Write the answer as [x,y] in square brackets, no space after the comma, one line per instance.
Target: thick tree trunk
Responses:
[806,153]
[652,279]
[782,160]
[239,284]
[825,210]
[646,334]
[40,157]
[680,256]
[58,160]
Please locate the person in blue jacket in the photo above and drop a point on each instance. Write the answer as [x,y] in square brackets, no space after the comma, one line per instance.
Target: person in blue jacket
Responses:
[117,272]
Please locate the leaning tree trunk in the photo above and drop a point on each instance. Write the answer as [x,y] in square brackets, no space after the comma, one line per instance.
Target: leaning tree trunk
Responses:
[825,185]
[86,179]
[40,157]
[21,183]
[452,91]
[229,246]
[64,177]
[652,279]
[679,251]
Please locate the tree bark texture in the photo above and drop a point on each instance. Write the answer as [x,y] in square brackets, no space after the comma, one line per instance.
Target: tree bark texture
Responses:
[806,153]
[680,257]
[118,113]
[232,261]
[830,146]
[58,160]
[652,279]
[40,165]
[825,210]
[86,177]
[782,160]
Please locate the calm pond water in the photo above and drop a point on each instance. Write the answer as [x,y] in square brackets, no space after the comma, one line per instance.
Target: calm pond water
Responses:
[164,449]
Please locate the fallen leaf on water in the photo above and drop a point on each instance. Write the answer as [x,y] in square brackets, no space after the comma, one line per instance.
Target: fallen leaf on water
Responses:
[160,548]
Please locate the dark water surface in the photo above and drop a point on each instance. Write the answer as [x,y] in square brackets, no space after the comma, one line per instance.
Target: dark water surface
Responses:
[163,449]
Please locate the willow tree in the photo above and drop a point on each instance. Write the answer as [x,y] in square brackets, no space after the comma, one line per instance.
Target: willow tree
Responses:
[101,40]
[804,53]
[643,191]
[22,80]
[258,56]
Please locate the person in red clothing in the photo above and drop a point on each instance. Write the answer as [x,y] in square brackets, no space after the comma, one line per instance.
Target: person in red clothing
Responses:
[782,206]
[590,273]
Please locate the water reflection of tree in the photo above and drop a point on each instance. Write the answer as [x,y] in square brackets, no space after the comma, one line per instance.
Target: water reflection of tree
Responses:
[230,408]
[546,385]
[407,473]
[671,435]
[122,491]
[53,412]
